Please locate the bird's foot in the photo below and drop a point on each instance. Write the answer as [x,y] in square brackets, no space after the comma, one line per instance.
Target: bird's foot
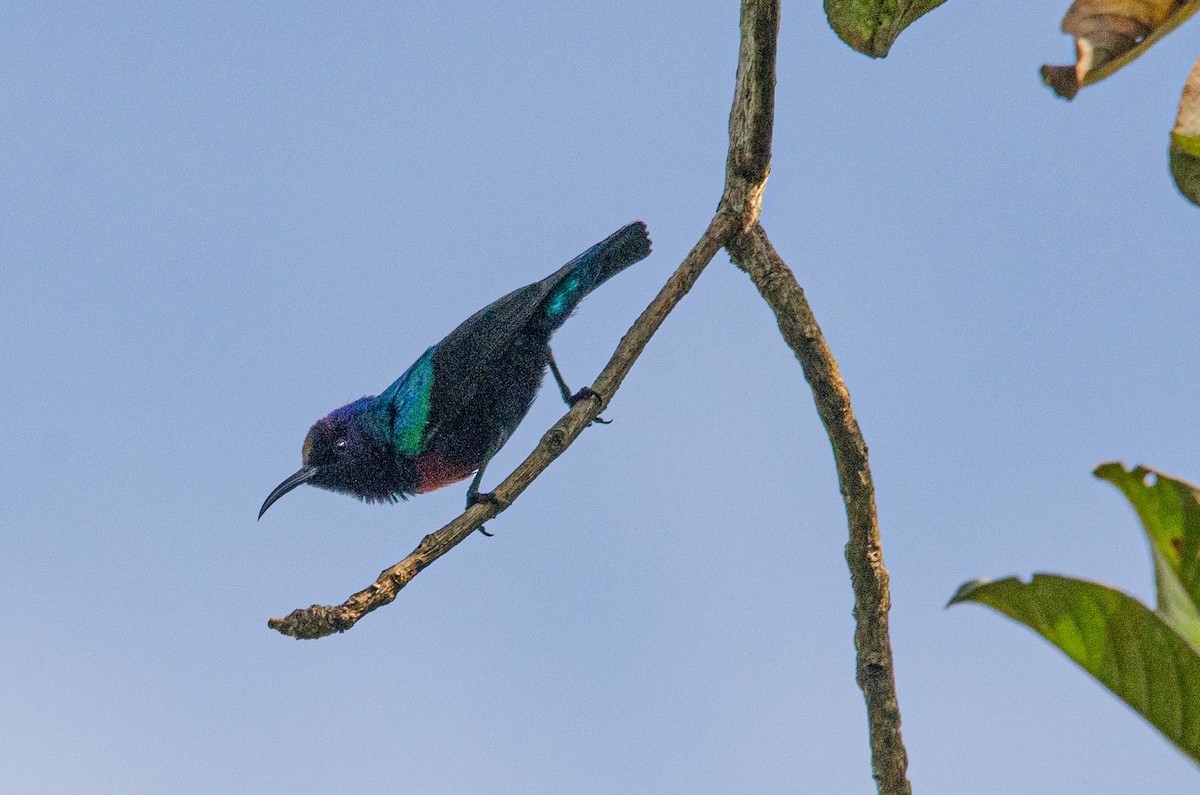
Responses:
[478,498]
[584,394]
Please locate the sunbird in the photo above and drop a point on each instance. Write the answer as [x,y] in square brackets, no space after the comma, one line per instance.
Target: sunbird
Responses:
[457,405]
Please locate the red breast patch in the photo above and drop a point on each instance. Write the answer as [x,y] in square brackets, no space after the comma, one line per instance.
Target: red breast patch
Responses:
[433,472]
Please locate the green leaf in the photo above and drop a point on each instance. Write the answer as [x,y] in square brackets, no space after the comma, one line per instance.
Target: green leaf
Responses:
[1127,647]
[1185,169]
[871,26]
[1185,139]
[1170,514]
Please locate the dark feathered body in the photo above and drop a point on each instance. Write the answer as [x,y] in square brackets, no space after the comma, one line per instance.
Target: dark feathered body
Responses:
[459,403]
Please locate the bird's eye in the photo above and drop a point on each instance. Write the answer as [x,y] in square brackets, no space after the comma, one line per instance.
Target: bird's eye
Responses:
[340,444]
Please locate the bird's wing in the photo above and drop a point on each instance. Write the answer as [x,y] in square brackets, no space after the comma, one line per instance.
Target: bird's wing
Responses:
[464,358]
[475,344]
[406,414]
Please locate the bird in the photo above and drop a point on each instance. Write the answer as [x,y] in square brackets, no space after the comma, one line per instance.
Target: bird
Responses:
[456,406]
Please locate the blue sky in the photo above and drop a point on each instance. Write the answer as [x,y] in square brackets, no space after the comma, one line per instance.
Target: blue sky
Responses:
[222,221]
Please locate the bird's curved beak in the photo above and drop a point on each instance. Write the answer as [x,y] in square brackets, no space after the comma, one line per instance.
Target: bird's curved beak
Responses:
[305,474]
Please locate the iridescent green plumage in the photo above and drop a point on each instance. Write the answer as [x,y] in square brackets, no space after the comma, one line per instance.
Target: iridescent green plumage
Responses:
[401,413]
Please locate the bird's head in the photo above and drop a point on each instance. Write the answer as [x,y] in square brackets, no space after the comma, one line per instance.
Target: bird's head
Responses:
[338,455]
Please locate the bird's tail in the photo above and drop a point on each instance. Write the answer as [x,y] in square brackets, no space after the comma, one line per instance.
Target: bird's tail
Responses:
[593,267]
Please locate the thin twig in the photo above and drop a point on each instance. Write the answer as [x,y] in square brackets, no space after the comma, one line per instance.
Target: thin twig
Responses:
[753,252]
[318,621]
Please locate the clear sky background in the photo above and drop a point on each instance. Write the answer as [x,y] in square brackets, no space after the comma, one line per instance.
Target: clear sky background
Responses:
[220,221]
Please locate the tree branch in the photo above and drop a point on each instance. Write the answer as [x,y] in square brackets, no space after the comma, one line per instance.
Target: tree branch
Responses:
[752,116]
[753,253]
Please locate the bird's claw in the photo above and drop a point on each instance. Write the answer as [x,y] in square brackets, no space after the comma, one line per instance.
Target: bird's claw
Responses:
[584,394]
[478,498]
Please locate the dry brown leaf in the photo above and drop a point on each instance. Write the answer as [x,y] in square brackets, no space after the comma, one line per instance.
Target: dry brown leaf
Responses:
[1111,33]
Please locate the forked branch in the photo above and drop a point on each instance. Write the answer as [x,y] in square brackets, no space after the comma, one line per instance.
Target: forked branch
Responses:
[735,227]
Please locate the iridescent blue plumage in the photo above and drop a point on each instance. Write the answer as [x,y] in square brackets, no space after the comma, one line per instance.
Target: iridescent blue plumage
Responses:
[459,403]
